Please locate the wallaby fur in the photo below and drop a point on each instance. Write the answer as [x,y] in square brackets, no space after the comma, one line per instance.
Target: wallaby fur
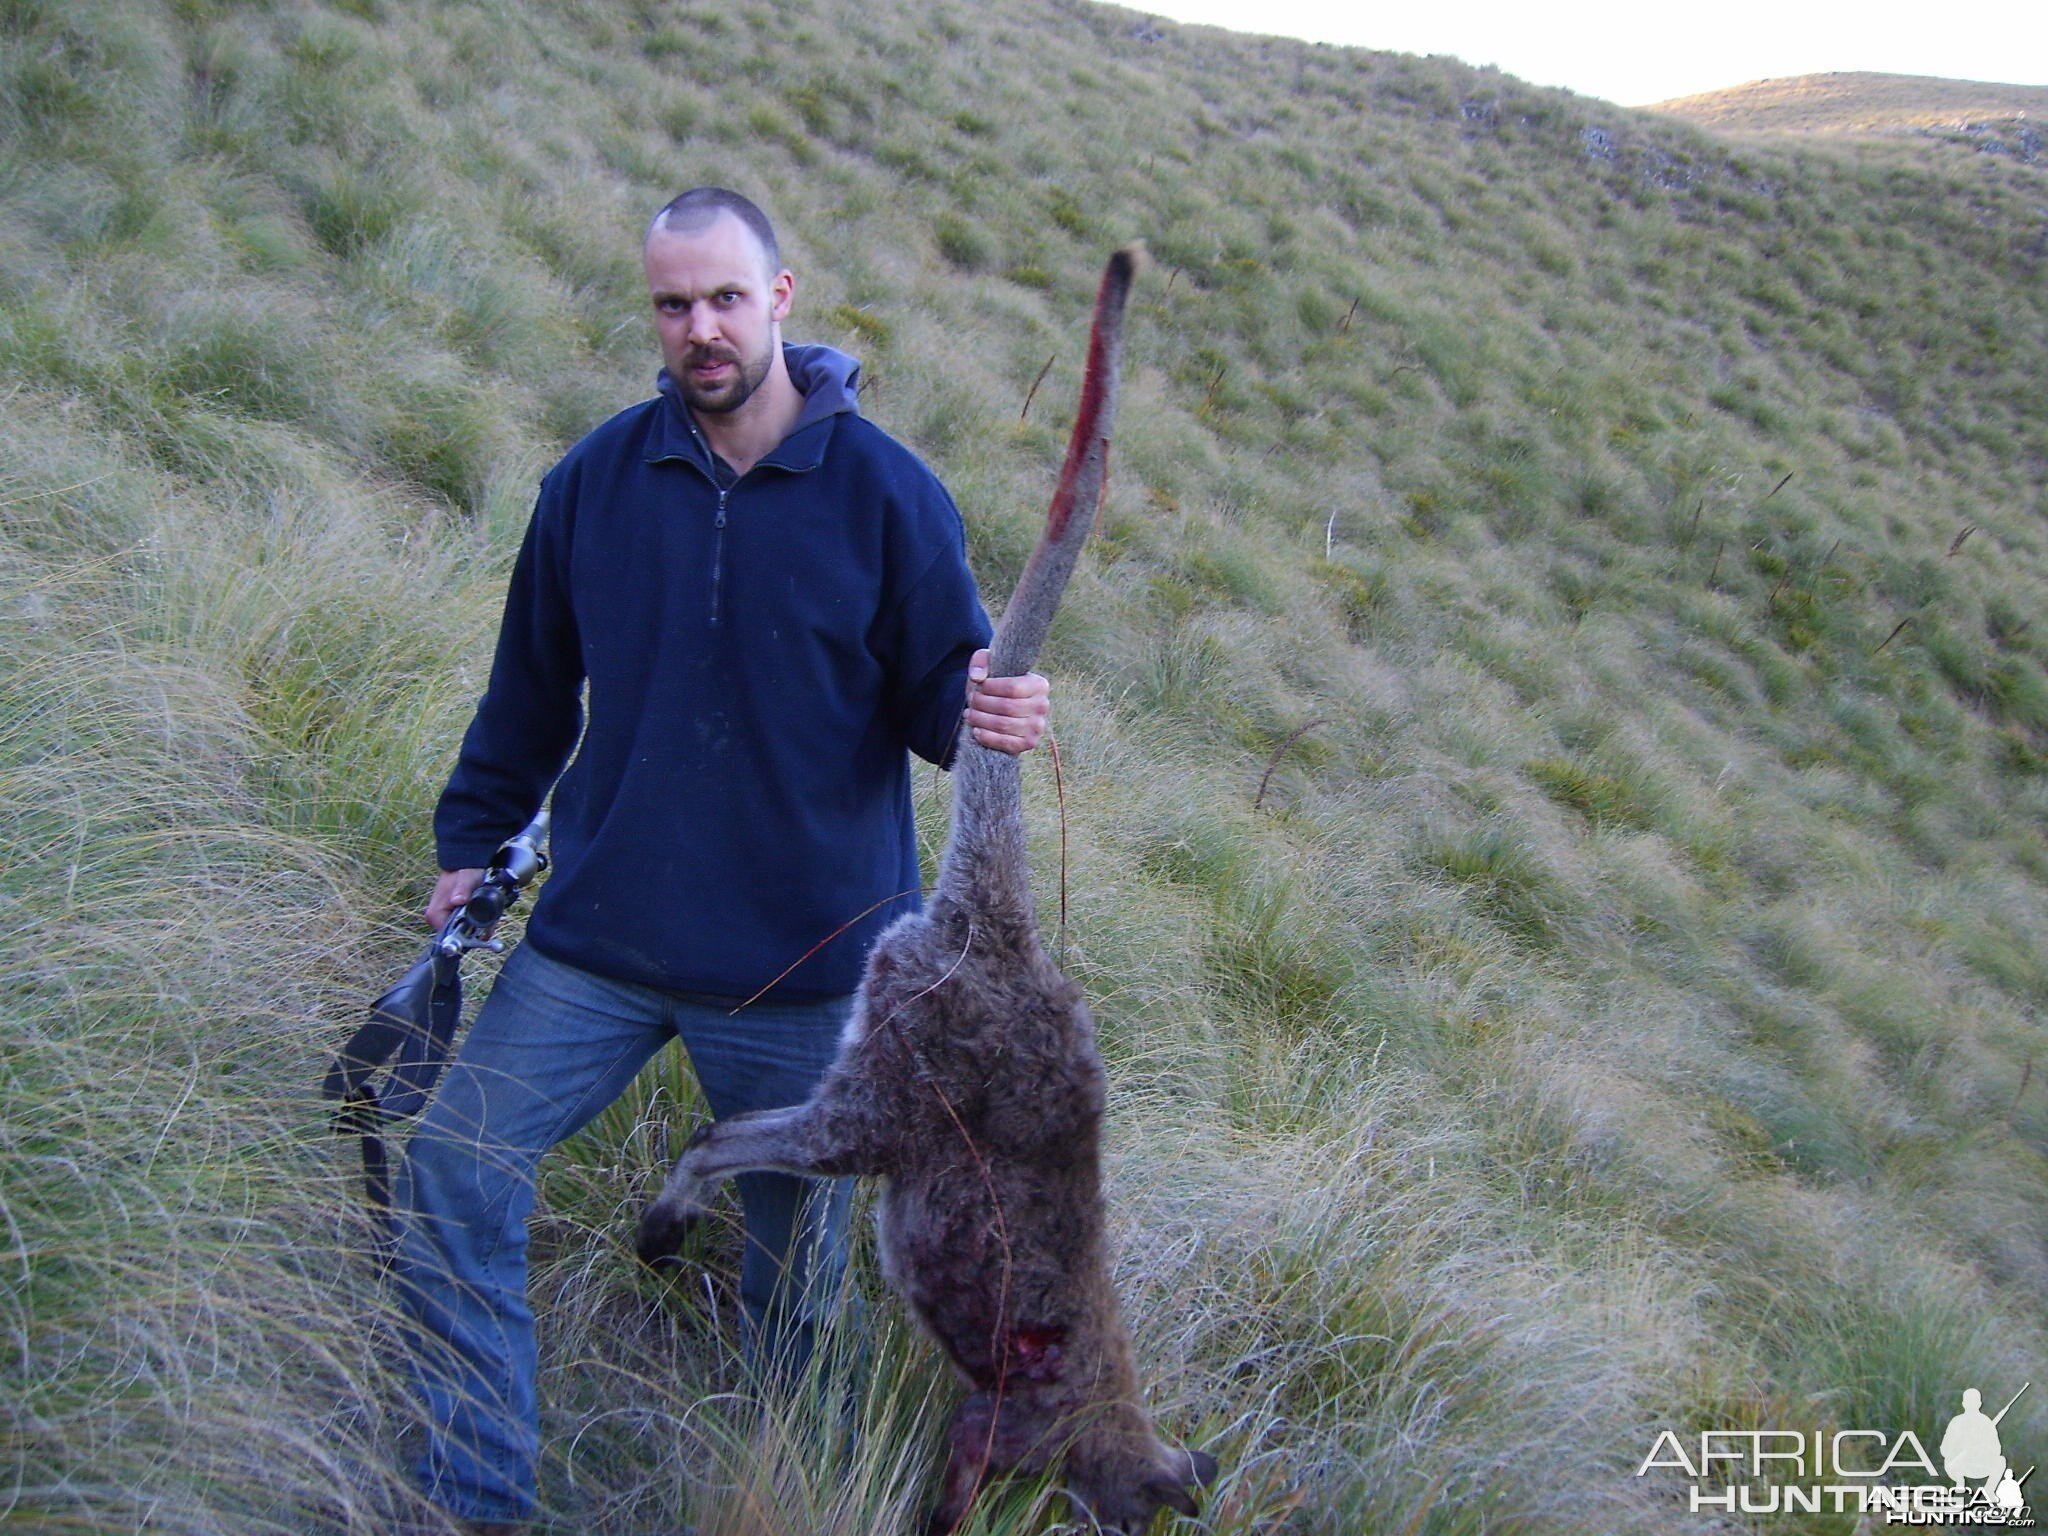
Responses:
[968,1080]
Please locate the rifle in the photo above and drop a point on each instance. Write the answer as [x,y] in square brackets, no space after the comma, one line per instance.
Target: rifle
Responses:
[417,1018]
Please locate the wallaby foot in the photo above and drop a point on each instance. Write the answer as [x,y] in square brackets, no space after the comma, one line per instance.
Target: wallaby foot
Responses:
[675,1213]
[811,1140]
[662,1230]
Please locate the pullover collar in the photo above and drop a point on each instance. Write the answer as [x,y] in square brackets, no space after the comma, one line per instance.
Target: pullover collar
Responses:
[826,377]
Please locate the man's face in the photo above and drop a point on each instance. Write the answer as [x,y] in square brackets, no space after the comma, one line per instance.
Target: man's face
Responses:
[718,311]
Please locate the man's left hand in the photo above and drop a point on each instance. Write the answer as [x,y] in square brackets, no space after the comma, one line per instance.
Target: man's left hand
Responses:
[1008,713]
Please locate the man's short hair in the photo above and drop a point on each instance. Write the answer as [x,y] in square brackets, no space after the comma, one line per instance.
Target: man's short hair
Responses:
[699,207]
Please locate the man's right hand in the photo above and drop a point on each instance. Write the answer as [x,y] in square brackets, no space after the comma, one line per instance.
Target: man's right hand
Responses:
[453,888]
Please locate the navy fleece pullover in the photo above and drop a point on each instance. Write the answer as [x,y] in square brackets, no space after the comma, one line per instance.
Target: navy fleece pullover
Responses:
[759,653]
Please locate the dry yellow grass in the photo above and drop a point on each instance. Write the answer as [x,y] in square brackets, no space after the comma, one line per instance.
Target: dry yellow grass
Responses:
[1856,102]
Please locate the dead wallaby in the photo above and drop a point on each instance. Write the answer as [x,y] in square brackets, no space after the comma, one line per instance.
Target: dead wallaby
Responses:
[968,1080]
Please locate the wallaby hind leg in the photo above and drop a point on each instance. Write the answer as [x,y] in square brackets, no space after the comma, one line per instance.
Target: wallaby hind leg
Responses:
[803,1139]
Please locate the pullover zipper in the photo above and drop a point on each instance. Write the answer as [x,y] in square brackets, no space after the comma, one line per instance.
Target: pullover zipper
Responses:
[717,523]
[725,489]
[718,552]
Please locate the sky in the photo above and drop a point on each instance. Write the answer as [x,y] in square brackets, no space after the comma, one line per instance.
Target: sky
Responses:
[1635,53]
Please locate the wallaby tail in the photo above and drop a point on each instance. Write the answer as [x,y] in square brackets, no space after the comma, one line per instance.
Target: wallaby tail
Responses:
[985,868]
[1024,623]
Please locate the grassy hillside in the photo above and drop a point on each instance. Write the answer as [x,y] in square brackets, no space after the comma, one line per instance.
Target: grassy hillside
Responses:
[1625,550]
[1861,102]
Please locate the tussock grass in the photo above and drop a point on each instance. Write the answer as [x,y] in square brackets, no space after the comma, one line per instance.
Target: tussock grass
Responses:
[1623,1010]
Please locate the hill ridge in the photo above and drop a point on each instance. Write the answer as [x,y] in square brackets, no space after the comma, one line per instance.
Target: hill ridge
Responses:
[1853,102]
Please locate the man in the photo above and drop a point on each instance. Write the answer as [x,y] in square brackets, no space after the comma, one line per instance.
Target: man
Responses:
[1969,1446]
[769,601]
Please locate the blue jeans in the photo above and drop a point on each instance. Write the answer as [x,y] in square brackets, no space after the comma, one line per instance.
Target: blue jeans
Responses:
[550,1048]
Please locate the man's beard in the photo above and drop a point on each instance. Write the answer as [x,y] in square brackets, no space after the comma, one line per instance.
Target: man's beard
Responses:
[730,392]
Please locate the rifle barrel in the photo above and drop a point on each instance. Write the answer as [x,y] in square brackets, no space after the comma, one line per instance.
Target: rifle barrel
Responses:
[2015,1398]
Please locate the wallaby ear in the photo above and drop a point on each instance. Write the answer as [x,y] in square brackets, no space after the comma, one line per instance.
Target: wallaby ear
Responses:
[1202,1467]
[1174,1495]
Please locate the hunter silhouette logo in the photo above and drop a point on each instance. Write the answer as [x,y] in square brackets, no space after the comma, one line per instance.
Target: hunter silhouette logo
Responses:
[1856,1471]
[1969,1447]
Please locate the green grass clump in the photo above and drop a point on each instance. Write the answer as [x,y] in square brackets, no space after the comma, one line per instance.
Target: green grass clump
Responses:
[1604,799]
[1505,877]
